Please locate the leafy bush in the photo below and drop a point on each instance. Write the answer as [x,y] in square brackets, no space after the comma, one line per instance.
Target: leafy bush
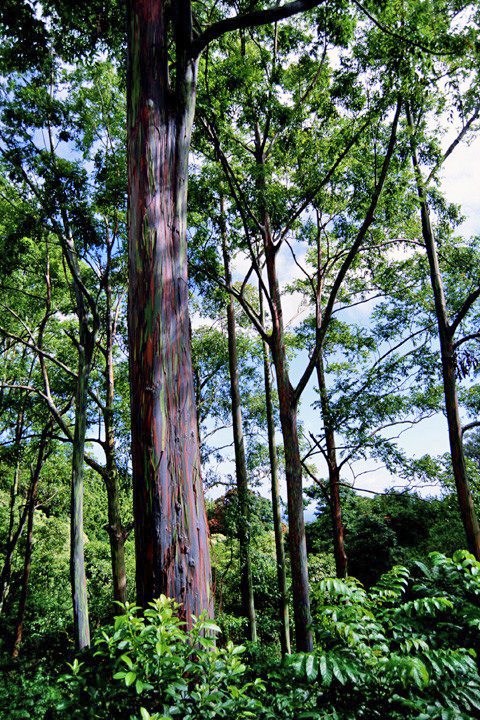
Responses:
[147,666]
[29,689]
[405,649]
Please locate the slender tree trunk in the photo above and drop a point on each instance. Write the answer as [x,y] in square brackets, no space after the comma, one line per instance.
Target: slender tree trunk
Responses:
[296,522]
[288,419]
[77,554]
[41,457]
[277,515]
[115,527]
[447,350]
[243,522]
[13,535]
[341,561]
[87,315]
[12,539]
[87,327]
[9,553]
[171,531]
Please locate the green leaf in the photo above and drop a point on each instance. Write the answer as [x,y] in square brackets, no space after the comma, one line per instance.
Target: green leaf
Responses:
[130,678]
[325,671]
[337,672]
[139,686]
[211,626]
[127,660]
[311,667]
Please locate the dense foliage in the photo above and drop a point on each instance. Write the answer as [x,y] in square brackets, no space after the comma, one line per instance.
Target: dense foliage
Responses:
[406,648]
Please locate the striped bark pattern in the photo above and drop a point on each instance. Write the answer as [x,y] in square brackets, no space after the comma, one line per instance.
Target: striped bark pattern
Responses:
[171,531]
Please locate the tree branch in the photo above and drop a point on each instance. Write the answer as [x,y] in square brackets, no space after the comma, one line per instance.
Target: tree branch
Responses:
[252,19]
[454,144]
[464,310]
[351,255]
[467,338]
[470,426]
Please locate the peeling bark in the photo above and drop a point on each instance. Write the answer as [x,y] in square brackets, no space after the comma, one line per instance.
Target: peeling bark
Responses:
[171,531]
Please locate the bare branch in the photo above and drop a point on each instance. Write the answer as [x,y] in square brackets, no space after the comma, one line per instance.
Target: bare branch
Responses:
[467,338]
[454,144]
[470,426]
[252,19]
[464,310]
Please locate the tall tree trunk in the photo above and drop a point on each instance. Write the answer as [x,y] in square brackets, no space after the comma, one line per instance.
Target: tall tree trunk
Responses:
[12,543]
[243,521]
[341,561]
[277,515]
[14,534]
[77,554]
[116,530]
[447,350]
[87,325]
[288,419]
[32,499]
[171,531]
[87,330]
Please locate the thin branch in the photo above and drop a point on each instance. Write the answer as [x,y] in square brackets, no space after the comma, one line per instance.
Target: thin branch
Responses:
[387,493]
[467,338]
[397,36]
[351,255]
[464,310]
[294,214]
[470,426]
[454,144]
[318,482]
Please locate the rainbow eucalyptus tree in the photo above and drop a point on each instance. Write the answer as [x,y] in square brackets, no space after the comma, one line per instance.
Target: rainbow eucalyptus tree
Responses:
[170,521]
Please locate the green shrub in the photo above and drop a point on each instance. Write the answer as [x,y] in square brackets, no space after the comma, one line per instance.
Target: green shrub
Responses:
[405,649]
[148,666]
[28,690]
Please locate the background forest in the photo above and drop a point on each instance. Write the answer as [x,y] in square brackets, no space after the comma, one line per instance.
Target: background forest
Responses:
[266,352]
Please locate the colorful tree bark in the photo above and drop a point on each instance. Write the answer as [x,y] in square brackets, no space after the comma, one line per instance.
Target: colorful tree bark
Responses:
[171,531]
